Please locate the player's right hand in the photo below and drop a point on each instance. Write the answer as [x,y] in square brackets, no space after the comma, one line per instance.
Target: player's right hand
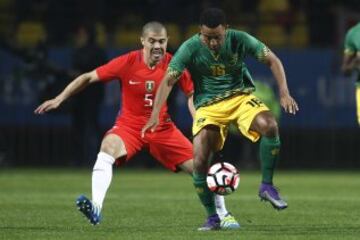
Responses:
[47,106]
[151,124]
[289,104]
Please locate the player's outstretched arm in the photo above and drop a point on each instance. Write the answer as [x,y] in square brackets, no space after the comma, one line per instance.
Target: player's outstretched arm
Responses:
[286,101]
[162,95]
[72,88]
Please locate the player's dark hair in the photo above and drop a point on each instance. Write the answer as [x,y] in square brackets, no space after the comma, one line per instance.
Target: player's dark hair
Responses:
[213,17]
[152,26]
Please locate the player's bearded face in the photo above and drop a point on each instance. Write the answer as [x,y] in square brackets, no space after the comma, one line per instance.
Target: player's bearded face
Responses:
[155,44]
[213,38]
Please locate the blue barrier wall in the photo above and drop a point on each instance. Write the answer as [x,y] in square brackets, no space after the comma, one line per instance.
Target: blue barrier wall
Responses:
[326,99]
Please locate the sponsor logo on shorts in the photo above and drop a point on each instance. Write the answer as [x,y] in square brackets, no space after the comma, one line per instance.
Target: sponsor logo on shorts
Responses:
[200,121]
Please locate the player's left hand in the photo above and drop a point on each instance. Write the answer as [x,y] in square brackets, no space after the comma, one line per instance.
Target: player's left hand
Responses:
[151,124]
[289,104]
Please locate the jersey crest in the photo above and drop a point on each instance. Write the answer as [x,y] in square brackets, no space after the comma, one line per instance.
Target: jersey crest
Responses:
[234,59]
[149,85]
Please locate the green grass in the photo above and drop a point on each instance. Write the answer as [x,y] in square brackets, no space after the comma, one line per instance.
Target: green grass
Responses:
[40,204]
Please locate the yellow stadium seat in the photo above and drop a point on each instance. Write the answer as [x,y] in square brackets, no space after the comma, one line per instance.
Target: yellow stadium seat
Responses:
[127,38]
[6,24]
[268,9]
[29,34]
[174,33]
[101,37]
[5,4]
[243,28]
[273,6]
[299,36]
[191,30]
[272,35]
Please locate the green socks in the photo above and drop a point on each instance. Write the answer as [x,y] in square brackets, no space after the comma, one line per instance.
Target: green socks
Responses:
[269,155]
[206,197]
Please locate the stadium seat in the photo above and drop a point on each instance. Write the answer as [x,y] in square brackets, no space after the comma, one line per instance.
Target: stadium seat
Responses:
[101,37]
[299,36]
[273,6]
[29,33]
[270,10]
[243,28]
[272,35]
[5,4]
[6,23]
[191,30]
[174,33]
[127,38]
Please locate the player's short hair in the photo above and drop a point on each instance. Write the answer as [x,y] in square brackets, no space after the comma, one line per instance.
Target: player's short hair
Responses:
[153,26]
[213,17]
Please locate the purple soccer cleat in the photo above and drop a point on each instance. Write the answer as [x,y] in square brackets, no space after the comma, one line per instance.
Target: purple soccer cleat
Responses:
[267,192]
[212,223]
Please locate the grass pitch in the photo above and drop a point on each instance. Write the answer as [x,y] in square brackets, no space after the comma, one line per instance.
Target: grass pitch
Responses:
[40,204]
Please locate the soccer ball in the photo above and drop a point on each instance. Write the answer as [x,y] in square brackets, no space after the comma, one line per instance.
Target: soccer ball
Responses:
[223,178]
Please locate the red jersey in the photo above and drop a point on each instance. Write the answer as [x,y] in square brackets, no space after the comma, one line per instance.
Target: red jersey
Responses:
[139,84]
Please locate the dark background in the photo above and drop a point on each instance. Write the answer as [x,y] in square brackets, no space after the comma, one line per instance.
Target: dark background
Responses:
[38,43]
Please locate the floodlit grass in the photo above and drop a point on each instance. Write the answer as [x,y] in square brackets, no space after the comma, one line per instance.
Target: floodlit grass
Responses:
[40,204]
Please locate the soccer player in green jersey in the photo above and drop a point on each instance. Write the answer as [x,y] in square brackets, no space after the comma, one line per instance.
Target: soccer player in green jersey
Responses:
[351,60]
[222,95]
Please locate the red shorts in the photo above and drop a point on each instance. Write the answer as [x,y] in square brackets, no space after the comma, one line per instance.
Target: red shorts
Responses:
[167,144]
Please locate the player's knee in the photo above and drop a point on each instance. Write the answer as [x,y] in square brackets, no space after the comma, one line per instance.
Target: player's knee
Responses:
[109,148]
[270,128]
[265,124]
[114,146]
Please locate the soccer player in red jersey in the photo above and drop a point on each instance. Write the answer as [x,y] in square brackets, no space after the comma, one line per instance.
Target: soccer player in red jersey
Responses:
[139,73]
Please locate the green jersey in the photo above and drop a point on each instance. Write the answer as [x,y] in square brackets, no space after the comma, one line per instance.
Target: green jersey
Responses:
[220,76]
[352,44]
